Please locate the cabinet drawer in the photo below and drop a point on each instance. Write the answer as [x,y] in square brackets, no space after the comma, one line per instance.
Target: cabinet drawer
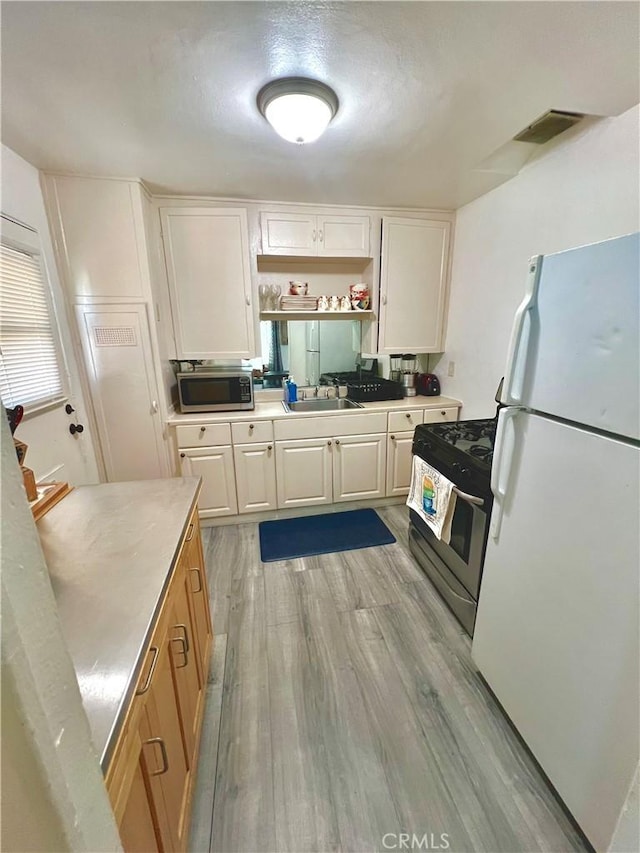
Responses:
[245,433]
[405,420]
[203,435]
[434,416]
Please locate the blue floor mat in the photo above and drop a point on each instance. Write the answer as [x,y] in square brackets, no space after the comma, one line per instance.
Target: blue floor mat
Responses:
[322,534]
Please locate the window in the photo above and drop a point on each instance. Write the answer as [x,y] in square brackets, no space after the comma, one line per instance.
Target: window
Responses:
[30,362]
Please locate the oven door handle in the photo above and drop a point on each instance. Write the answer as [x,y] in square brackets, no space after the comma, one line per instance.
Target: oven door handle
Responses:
[472,499]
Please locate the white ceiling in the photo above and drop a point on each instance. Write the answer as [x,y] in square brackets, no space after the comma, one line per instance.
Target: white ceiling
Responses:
[428,91]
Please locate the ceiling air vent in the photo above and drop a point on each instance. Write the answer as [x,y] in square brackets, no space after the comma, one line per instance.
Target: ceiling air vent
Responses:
[548,126]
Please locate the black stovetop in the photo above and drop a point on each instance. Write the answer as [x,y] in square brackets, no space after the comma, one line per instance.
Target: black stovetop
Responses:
[462,451]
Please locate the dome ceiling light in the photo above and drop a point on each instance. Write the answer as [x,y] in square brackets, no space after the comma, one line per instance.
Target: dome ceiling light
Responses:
[297,108]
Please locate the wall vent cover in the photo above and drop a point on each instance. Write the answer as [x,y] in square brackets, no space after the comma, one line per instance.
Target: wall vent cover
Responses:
[115,336]
[547,126]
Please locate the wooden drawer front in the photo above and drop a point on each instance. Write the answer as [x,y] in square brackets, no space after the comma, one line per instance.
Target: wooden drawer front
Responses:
[203,435]
[434,416]
[405,420]
[353,423]
[258,431]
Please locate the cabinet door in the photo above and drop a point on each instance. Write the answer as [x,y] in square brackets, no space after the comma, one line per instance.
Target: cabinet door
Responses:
[303,472]
[399,463]
[136,823]
[288,234]
[208,268]
[215,466]
[117,349]
[343,236]
[413,285]
[255,477]
[359,467]
[164,755]
[186,675]
[198,597]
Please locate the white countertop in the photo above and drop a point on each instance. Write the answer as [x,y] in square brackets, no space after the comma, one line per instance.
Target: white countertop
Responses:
[110,550]
[272,409]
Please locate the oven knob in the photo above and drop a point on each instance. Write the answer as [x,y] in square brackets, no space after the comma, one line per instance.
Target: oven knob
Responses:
[465,471]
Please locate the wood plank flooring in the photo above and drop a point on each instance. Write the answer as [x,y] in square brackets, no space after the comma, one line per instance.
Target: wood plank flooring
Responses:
[343,708]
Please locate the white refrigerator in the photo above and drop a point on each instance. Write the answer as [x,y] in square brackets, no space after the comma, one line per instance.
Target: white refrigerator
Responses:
[557,631]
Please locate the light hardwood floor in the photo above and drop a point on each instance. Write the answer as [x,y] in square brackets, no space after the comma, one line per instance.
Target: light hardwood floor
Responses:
[344,708]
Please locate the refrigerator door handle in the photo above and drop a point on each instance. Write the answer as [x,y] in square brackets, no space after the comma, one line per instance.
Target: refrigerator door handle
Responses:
[501,468]
[516,359]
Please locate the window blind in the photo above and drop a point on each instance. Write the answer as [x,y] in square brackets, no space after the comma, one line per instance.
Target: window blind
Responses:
[29,363]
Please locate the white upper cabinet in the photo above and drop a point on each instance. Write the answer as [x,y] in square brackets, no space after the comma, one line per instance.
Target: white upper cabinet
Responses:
[208,269]
[310,235]
[413,285]
[99,230]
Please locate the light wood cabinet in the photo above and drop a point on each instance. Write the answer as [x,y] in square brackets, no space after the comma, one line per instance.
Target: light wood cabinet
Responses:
[359,467]
[215,466]
[414,281]
[255,477]
[399,463]
[150,777]
[309,235]
[208,269]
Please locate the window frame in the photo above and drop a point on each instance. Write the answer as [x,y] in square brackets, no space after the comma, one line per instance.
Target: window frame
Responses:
[24,238]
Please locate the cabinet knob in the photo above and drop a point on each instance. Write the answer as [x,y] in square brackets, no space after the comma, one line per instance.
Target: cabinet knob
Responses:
[393,438]
[75,428]
[337,441]
[69,409]
[202,429]
[384,299]
[182,455]
[313,235]
[329,442]
[408,416]
[269,447]
[321,236]
[248,300]
[442,412]
[251,426]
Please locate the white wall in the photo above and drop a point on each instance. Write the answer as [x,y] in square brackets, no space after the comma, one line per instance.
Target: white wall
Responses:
[53,452]
[584,190]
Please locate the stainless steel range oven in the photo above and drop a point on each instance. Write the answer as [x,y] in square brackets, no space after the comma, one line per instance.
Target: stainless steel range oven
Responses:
[461,451]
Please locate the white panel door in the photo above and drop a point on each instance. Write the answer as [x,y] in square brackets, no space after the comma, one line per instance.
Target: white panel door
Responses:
[343,236]
[303,472]
[215,466]
[399,463]
[124,390]
[576,338]
[288,234]
[556,635]
[255,477]
[413,284]
[359,467]
[208,268]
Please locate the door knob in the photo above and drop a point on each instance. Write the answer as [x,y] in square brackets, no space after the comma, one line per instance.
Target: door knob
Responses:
[74,428]
[69,409]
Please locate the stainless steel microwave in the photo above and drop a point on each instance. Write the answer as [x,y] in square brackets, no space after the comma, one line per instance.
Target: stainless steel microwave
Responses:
[208,389]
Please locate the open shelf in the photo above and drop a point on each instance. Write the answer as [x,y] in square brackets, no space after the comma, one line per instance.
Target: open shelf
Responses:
[318,315]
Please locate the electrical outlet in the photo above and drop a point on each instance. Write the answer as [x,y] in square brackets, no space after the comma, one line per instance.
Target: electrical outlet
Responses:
[451,369]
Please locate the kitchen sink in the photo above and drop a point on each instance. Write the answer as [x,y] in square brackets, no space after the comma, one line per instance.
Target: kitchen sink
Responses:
[321,405]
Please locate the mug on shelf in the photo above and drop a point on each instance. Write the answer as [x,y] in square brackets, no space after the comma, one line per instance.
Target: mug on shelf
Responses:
[359,295]
[298,288]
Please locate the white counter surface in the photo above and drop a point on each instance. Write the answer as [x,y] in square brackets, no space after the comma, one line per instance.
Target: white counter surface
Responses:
[272,409]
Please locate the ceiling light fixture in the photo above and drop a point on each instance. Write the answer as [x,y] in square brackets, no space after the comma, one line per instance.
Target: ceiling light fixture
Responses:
[297,108]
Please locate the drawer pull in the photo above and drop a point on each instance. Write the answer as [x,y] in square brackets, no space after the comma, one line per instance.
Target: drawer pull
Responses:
[251,426]
[203,429]
[182,455]
[269,447]
[152,669]
[337,441]
[442,412]
[408,416]
[182,627]
[329,442]
[190,533]
[165,759]
[197,571]
[183,651]
[393,438]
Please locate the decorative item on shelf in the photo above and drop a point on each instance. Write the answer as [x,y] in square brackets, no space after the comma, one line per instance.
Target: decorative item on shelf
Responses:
[274,296]
[359,295]
[298,288]
[334,303]
[264,294]
[323,303]
[345,304]
[299,303]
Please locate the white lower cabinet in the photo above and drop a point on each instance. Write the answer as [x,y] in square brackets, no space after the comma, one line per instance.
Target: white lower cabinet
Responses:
[255,477]
[358,466]
[215,466]
[399,463]
[303,472]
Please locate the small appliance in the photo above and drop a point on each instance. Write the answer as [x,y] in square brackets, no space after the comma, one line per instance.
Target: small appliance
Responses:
[428,385]
[210,389]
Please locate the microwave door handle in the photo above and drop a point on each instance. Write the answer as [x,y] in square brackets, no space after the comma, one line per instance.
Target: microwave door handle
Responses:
[472,499]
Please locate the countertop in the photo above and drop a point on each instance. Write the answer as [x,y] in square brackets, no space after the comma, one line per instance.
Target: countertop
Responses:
[272,409]
[110,550]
